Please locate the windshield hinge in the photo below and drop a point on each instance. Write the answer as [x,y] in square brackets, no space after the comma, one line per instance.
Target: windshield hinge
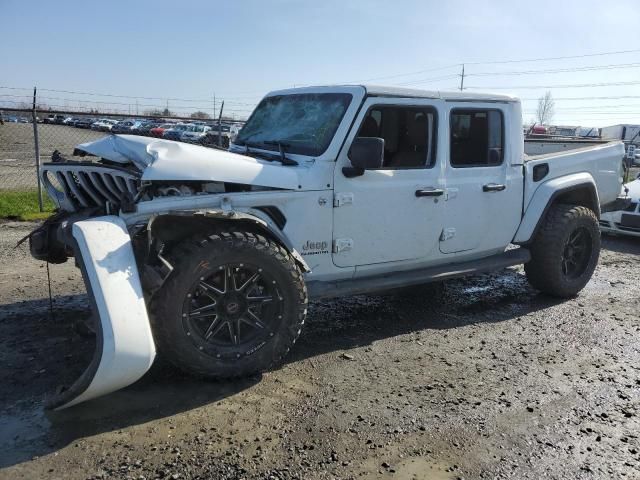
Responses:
[341,199]
[342,245]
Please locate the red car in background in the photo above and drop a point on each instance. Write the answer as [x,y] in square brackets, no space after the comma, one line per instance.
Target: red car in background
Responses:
[159,130]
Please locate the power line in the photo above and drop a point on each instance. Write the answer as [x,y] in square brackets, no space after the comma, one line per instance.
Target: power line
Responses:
[587,98]
[111,95]
[493,62]
[429,80]
[544,59]
[407,74]
[599,107]
[583,114]
[93,102]
[576,85]
[557,70]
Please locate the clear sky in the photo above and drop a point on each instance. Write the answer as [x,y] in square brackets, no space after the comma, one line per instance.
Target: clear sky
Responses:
[239,50]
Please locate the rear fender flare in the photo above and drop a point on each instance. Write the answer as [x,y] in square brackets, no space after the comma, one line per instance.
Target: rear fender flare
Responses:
[550,192]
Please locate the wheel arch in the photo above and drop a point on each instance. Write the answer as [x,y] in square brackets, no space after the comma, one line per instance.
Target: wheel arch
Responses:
[577,189]
[176,226]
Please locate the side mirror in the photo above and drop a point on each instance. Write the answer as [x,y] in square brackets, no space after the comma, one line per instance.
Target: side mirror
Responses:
[365,153]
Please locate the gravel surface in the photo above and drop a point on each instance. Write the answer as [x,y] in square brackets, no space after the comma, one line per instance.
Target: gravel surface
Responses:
[479,378]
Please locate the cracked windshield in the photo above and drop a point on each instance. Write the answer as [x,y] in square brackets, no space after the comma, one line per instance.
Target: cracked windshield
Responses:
[304,124]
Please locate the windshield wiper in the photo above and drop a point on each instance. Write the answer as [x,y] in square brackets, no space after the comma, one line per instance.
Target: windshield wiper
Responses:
[281,147]
[269,157]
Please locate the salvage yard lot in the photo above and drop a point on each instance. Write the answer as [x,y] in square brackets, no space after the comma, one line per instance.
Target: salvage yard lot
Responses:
[17,150]
[483,378]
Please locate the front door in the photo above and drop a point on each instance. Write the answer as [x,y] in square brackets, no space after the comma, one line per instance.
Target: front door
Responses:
[393,213]
[484,185]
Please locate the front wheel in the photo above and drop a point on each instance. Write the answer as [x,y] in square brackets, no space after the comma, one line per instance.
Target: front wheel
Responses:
[565,251]
[234,305]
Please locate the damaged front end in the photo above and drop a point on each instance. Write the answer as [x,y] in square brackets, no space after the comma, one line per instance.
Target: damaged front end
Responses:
[121,263]
[87,194]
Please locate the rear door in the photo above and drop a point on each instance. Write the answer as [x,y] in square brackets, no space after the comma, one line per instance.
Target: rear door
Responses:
[484,183]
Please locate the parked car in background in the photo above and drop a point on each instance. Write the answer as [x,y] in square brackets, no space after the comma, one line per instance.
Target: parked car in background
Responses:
[54,118]
[23,120]
[124,126]
[70,121]
[194,133]
[625,132]
[174,132]
[627,220]
[159,130]
[84,122]
[145,127]
[228,134]
[104,125]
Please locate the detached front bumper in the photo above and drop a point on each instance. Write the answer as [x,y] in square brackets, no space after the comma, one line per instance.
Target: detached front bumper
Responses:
[124,344]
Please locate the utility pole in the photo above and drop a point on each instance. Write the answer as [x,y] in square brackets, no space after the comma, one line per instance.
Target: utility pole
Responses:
[220,125]
[36,146]
[214,103]
[462,79]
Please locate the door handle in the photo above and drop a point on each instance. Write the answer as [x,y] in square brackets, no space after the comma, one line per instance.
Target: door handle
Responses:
[493,187]
[429,192]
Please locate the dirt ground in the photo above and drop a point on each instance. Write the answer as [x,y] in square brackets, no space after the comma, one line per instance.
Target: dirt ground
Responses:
[484,378]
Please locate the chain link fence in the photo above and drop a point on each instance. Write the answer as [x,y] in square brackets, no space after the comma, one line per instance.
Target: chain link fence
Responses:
[25,143]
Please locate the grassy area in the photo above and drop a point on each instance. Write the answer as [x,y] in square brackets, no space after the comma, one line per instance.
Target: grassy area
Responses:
[23,205]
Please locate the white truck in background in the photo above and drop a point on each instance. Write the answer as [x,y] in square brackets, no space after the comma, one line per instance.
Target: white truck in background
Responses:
[624,132]
[211,256]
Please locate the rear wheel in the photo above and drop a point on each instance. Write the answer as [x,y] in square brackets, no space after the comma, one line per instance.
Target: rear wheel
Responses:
[233,306]
[565,251]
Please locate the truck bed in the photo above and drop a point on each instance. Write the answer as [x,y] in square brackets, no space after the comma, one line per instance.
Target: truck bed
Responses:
[602,162]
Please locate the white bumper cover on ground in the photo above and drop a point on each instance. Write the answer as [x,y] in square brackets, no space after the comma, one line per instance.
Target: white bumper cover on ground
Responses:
[124,343]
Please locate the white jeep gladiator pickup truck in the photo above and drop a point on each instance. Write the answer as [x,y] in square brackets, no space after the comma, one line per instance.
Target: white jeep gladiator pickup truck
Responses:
[211,256]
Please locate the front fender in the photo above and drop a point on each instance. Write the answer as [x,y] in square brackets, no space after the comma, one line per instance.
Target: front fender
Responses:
[252,216]
[544,197]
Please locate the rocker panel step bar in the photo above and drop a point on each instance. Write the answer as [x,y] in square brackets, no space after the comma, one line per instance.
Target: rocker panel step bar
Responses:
[124,344]
[393,280]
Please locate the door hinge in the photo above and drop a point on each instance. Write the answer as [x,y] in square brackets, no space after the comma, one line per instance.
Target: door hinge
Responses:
[342,245]
[447,234]
[450,193]
[341,199]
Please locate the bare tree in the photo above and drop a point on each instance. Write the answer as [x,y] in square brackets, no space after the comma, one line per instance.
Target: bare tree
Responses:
[546,107]
[156,112]
[200,115]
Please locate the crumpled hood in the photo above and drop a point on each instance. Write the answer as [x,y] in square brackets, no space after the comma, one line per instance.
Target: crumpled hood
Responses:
[166,160]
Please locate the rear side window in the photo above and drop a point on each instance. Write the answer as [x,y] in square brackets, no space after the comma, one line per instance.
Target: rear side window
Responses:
[476,138]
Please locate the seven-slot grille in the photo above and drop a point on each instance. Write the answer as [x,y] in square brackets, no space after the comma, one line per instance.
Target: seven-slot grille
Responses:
[81,185]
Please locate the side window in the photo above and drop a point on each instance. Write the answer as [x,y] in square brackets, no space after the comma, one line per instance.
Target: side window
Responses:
[476,138]
[409,135]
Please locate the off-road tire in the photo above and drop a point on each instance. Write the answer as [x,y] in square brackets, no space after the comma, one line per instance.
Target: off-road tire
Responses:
[545,271]
[198,258]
